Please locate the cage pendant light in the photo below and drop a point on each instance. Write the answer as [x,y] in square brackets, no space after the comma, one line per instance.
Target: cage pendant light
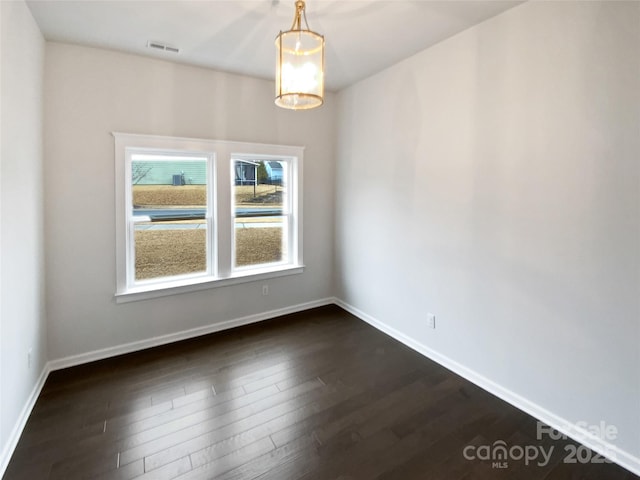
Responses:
[299,65]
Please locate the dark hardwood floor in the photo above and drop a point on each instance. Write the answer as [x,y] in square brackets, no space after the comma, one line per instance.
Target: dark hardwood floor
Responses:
[317,395]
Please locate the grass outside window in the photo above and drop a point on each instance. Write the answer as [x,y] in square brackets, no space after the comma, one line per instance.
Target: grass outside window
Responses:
[182,249]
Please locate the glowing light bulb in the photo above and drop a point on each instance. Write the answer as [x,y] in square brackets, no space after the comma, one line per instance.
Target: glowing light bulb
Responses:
[302,78]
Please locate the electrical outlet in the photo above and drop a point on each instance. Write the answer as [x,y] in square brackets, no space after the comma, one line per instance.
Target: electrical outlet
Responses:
[265,290]
[431,320]
[29,352]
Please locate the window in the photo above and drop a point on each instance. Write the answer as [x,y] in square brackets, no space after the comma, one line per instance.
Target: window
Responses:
[262,211]
[194,214]
[169,215]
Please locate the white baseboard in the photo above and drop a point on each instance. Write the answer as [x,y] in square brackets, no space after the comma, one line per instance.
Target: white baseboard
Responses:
[82,358]
[581,435]
[12,442]
[621,457]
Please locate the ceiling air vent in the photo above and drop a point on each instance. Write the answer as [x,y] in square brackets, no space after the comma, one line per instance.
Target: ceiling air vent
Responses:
[163,46]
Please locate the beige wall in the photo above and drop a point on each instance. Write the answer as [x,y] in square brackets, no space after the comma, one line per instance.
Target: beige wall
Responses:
[92,92]
[22,317]
[498,187]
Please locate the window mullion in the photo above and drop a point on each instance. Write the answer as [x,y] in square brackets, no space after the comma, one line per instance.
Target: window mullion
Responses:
[224,210]
[211,218]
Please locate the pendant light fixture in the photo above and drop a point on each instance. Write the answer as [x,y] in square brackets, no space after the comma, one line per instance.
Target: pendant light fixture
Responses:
[299,65]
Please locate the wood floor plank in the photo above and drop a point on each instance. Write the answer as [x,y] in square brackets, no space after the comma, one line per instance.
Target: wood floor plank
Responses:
[170,470]
[190,414]
[225,437]
[316,395]
[126,472]
[212,469]
[355,456]
[372,412]
[243,418]
[289,461]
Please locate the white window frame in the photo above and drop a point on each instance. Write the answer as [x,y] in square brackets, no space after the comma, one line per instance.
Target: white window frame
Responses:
[219,218]
[289,211]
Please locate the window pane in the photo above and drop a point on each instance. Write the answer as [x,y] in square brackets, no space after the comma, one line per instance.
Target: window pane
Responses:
[261,220]
[258,241]
[169,195]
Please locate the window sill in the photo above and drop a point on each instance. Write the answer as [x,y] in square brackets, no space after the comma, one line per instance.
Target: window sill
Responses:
[204,283]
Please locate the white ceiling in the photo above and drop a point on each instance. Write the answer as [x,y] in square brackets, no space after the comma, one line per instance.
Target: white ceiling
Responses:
[362,36]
